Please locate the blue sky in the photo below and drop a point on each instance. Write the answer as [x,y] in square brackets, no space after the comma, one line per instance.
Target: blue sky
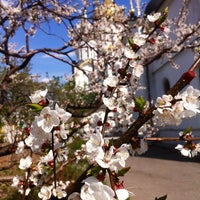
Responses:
[41,64]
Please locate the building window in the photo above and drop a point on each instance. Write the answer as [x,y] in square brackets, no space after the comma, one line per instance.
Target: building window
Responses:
[166,84]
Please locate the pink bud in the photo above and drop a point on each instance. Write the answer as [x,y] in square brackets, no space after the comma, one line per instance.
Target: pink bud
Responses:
[188,76]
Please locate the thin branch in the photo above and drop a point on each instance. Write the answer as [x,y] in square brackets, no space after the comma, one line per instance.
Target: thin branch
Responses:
[170,139]
[7,150]
[6,179]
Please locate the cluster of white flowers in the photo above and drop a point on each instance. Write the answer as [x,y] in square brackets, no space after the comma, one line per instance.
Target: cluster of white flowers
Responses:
[39,139]
[189,149]
[46,122]
[117,69]
[171,111]
[107,157]
[95,189]
[96,150]
[59,192]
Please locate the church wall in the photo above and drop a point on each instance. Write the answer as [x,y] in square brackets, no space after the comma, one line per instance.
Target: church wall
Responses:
[163,75]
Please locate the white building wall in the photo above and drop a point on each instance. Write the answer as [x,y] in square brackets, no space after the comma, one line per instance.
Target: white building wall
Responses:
[85,56]
[161,71]
[81,76]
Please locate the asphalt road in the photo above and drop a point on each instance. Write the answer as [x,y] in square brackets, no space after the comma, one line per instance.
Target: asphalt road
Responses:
[163,171]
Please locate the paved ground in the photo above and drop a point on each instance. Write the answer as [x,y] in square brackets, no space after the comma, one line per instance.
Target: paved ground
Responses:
[162,171]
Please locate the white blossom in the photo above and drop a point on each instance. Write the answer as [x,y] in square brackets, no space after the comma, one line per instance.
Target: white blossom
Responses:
[113,158]
[37,137]
[122,194]
[48,158]
[38,96]
[190,99]
[48,119]
[62,114]
[164,101]
[137,69]
[16,181]
[45,192]
[188,152]
[20,147]
[74,196]
[62,131]
[59,192]
[153,17]
[96,140]
[94,189]
[111,81]
[21,190]
[129,53]
[110,103]
[25,163]
[139,39]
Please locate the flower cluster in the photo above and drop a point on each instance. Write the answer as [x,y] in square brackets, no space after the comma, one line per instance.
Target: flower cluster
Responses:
[59,192]
[116,58]
[171,111]
[46,134]
[189,149]
[106,157]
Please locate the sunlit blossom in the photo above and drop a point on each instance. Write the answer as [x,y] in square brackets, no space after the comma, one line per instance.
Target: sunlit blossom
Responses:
[94,189]
[111,81]
[153,17]
[59,192]
[114,67]
[190,99]
[129,53]
[48,119]
[139,39]
[110,103]
[48,158]
[62,114]
[189,151]
[74,196]
[45,192]
[16,181]
[20,147]
[113,158]
[38,96]
[122,194]
[96,140]
[25,163]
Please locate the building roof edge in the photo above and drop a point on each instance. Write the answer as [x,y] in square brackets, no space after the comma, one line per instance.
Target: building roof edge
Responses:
[153,6]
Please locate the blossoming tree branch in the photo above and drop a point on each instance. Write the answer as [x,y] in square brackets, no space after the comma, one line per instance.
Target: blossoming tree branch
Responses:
[112,49]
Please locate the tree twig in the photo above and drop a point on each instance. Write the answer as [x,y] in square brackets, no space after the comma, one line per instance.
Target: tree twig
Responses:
[170,139]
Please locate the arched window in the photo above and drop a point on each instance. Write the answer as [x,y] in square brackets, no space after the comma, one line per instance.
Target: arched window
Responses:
[166,84]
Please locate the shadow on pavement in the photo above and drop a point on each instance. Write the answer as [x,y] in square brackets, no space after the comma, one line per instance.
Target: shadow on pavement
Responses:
[159,151]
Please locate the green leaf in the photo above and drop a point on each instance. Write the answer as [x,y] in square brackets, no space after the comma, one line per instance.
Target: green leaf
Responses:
[186,131]
[123,171]
[94,171]
[163,17]
[35,107]
[139,103]
[130,41]
[161,198]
